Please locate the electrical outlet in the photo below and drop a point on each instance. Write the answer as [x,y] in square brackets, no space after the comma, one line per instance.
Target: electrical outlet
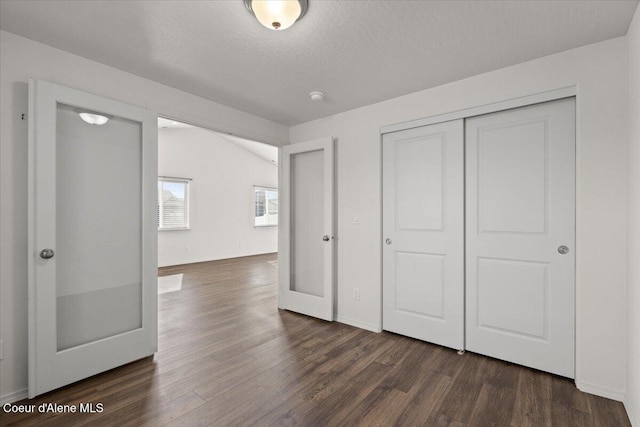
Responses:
[356,294]
[1,349]
[187,249]
[356,218]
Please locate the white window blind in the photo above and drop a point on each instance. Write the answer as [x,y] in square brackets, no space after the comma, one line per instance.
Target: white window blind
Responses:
[265,206]
[173,203]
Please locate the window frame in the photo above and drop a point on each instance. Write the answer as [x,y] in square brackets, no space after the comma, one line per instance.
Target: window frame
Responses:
[266,207]
[187,203]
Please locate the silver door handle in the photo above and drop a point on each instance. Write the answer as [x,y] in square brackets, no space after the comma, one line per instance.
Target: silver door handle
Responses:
[325,238]
[47,253]
[388,241]
[563,250]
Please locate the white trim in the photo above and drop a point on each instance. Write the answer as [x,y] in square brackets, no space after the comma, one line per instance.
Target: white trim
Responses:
[283,250]
[632,412]
[14,396]
[31,247]
[598,390]
[578,244]
[522,101]
[358,324]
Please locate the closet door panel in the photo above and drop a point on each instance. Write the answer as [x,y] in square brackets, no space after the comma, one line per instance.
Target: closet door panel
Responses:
[423,261]
[520,226]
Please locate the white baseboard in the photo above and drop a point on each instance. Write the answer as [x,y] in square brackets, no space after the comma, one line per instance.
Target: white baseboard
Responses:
[358,324]
[14,396]
[632,412]
[609,393]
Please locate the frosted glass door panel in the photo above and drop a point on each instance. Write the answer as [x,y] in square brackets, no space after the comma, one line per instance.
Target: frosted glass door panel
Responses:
[98,228]
[307,207]
[305,233]
[92,235]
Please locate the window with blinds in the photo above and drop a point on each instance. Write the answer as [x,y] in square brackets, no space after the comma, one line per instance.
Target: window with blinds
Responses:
[265,206]
[173,203]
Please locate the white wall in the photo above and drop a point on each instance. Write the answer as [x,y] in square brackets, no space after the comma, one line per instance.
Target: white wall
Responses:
[221,191]
[600,73]
[20,59]
[632,402]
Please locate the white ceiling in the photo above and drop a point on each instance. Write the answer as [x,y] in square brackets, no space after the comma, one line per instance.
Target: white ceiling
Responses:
[357,52]
[264,151]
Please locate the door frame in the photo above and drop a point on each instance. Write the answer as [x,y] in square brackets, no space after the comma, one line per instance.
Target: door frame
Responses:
[508,104]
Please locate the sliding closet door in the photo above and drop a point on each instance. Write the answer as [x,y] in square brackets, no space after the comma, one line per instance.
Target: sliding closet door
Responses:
[423,261]
[520,231]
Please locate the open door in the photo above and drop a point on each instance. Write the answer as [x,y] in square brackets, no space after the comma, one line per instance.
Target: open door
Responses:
[92,235]
[306,237]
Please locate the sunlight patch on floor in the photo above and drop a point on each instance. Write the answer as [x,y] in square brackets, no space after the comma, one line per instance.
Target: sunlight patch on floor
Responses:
[168,284]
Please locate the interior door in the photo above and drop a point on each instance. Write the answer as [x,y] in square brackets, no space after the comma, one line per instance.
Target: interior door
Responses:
[306,236]
[423,232]
[520,235]
[92,235]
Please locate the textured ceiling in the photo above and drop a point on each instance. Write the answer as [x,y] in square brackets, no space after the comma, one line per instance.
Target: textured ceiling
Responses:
[357,52]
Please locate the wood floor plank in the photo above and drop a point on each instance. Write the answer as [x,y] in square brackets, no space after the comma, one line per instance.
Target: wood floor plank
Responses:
[466,384]
[228,357]
[563,415]
[423,399]
[606,412]
[494,406]
[532,406]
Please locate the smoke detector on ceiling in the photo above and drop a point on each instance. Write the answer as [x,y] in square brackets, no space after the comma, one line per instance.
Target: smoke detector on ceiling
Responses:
[316,96]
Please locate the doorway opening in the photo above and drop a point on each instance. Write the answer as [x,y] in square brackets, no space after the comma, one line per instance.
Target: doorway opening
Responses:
[217,204]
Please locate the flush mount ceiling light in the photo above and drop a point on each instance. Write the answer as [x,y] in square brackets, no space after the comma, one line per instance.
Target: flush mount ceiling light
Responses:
[277,14]
[94,119]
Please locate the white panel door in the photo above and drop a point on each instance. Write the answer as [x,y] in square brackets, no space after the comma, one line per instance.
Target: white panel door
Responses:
[423,232]
[92,236]
[520,235]
[306,236]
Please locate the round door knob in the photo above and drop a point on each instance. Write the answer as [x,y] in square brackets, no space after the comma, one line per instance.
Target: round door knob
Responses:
[388,241]
[563,250]
[325,238]
[47,253]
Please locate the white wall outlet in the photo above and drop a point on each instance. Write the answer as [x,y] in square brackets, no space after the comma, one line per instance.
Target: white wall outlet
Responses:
[187,249]
[356,218]
[356,294]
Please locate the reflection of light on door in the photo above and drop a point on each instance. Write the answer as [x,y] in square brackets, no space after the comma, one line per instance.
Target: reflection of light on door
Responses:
[168,284]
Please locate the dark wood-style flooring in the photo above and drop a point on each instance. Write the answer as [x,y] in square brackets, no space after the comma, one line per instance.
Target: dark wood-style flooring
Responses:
[228,357]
